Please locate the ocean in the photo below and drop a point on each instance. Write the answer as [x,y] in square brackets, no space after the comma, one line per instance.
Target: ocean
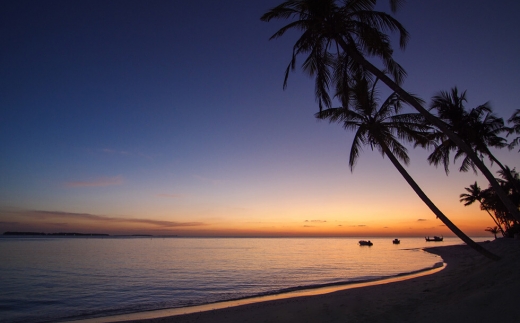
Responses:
[53,279]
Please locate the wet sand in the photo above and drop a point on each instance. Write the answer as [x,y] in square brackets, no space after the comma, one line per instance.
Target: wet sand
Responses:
[470,289]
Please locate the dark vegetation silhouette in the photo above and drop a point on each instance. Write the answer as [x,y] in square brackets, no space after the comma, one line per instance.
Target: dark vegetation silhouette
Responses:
[493,230]
[489,202]
[381,127]
[475,194]
[515,129]
[352,32]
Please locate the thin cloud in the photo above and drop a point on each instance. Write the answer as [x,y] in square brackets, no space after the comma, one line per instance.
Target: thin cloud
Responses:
[99,182]
[362,225]
[316,221]
[64,216]
[421,220]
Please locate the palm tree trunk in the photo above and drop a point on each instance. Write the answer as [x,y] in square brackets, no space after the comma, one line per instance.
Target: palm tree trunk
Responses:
[506,171]
[435,121]
[496,222]
[434,209]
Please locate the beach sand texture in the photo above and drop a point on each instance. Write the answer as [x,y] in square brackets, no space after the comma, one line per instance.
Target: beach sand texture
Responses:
[470,289]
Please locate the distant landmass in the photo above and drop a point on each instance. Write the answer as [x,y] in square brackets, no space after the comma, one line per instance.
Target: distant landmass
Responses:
[72,234]
[13,233]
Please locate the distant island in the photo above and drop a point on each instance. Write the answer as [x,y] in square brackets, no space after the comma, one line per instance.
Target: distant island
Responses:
[12,233]
[76,234]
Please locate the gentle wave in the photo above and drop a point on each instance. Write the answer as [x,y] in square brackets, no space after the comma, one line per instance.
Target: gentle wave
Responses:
[63,279]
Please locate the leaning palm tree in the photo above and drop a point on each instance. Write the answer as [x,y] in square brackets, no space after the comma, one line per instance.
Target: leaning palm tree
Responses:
[381,127]
[515,120]
[480,128]
[476,194]
[352,29]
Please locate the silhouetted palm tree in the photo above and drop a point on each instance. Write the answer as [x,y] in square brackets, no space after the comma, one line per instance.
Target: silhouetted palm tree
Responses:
[491,202]
[381,127]
[479,128]
[493,230]
[476,194]
[353,31]
[515,120]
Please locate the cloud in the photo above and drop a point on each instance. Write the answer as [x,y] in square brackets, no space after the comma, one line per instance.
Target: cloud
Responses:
[421,220]
[99,182]
[362,225]
[64,216]
[308,226]
[316,221]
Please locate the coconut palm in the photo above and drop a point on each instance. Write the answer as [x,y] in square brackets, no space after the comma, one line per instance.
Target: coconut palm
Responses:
[476,194]
[491,202]
[515,120]
[381,127]
[352,30]
[479,128]
[493,230]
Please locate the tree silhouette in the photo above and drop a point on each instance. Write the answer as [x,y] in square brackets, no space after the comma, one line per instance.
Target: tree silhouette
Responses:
[381,127]
[476,194]
[493,230]
[515,120]
[479,128]
[353,31]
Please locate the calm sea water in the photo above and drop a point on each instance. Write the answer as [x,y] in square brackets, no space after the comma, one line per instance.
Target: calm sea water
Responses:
[55,279]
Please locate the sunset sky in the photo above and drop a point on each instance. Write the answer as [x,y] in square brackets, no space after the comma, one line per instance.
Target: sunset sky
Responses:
[169,117]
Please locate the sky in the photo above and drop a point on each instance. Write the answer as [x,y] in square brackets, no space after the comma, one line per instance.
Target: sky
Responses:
[169,118]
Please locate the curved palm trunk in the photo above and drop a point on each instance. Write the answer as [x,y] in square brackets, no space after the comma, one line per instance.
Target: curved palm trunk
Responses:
[434,209]
[435,121]
[496,222]
[507,173]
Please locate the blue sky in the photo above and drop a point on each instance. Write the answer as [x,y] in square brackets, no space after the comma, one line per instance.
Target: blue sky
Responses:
[174,111]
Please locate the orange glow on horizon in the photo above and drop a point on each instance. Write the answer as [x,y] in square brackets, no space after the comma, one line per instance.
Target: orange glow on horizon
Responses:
[349,227]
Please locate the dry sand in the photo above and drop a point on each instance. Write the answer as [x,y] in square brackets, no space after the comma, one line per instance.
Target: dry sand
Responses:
[470,289]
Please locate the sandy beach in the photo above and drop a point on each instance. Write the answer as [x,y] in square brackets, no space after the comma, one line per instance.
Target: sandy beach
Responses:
[471,288]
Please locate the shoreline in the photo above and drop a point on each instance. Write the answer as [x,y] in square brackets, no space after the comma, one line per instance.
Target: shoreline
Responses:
[471,288]
[293,292]
[468,287]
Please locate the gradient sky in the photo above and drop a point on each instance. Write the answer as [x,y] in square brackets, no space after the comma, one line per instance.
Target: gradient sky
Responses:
[168,117]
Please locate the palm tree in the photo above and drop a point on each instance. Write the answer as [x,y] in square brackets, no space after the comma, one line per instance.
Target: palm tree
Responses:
[476,194]
[353,31]
[479,128]
[381,128]
[515,120]
[493,230]
[490,201]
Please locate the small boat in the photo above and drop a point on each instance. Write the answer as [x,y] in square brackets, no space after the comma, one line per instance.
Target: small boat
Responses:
[435,238]
[396,241]
[365,243]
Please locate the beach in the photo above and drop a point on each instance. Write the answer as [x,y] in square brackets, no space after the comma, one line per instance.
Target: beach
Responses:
[471,288]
